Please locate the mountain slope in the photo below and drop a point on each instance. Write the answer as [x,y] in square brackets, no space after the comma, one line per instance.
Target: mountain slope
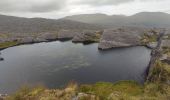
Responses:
[146,19]
[12,24]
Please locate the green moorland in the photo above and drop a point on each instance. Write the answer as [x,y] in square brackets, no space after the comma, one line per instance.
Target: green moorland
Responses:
[145,39]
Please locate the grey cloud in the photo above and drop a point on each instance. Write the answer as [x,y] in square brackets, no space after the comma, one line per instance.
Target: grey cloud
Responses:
[31,5]
[43,6]
[102,2]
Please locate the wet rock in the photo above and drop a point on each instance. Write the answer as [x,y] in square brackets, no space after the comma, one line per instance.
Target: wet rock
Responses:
[66,34]
[152,45]
[87,36]
[1,59]
[119,38]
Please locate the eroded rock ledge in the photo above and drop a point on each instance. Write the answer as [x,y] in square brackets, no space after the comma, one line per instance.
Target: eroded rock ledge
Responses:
[119,38]
[87,37]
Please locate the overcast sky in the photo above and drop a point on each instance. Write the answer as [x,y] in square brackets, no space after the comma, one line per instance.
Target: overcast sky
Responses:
[60,8]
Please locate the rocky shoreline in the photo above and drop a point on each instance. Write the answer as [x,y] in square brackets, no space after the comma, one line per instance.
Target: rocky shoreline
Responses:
[155,54]
[107,39]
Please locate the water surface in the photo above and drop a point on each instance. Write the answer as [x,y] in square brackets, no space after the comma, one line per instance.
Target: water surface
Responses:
[56,63]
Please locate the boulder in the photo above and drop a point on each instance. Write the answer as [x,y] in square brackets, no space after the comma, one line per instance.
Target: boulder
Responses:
[87,36]
[152,45]
[84,96]
[119,38]
[66,34]
[2,96]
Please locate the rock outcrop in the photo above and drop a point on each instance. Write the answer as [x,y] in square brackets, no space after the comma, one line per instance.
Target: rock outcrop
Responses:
[165,43]
[1,59]
[119,38]
[87,37]
[152,45]
[66,34]
[48,36]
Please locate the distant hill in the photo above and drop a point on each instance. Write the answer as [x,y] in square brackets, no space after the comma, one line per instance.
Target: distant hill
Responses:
[11,24]
[145,19]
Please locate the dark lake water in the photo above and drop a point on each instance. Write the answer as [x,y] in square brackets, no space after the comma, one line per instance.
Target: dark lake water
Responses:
[56,63]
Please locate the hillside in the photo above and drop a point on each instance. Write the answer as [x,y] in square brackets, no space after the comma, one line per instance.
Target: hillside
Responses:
[10,24]
[144,19]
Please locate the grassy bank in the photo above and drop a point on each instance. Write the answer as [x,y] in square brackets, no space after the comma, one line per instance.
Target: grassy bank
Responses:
[8,44]
[124,90]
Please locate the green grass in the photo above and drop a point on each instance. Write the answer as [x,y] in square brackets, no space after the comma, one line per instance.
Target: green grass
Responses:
[8,44]
[160,73]
[104,89]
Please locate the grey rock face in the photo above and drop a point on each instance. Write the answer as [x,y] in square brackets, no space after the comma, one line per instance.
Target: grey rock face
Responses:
[27,40]
[152,45]
[165,43]
[66,34]
[40,40]
[119,38]
[48,36]
[87,36]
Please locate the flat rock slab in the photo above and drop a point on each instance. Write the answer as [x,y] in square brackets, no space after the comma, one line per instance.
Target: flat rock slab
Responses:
[119,38]
[48,36]
[87,36]
[66,34]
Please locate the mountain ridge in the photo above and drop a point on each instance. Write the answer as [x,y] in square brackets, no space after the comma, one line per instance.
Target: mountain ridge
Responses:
[145,19]
[12,24]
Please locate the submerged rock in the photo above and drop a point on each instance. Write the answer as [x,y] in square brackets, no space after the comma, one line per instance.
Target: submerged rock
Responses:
[119,38]
[1,59]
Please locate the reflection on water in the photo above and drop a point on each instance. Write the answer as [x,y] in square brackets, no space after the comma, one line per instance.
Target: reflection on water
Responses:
[56,63]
